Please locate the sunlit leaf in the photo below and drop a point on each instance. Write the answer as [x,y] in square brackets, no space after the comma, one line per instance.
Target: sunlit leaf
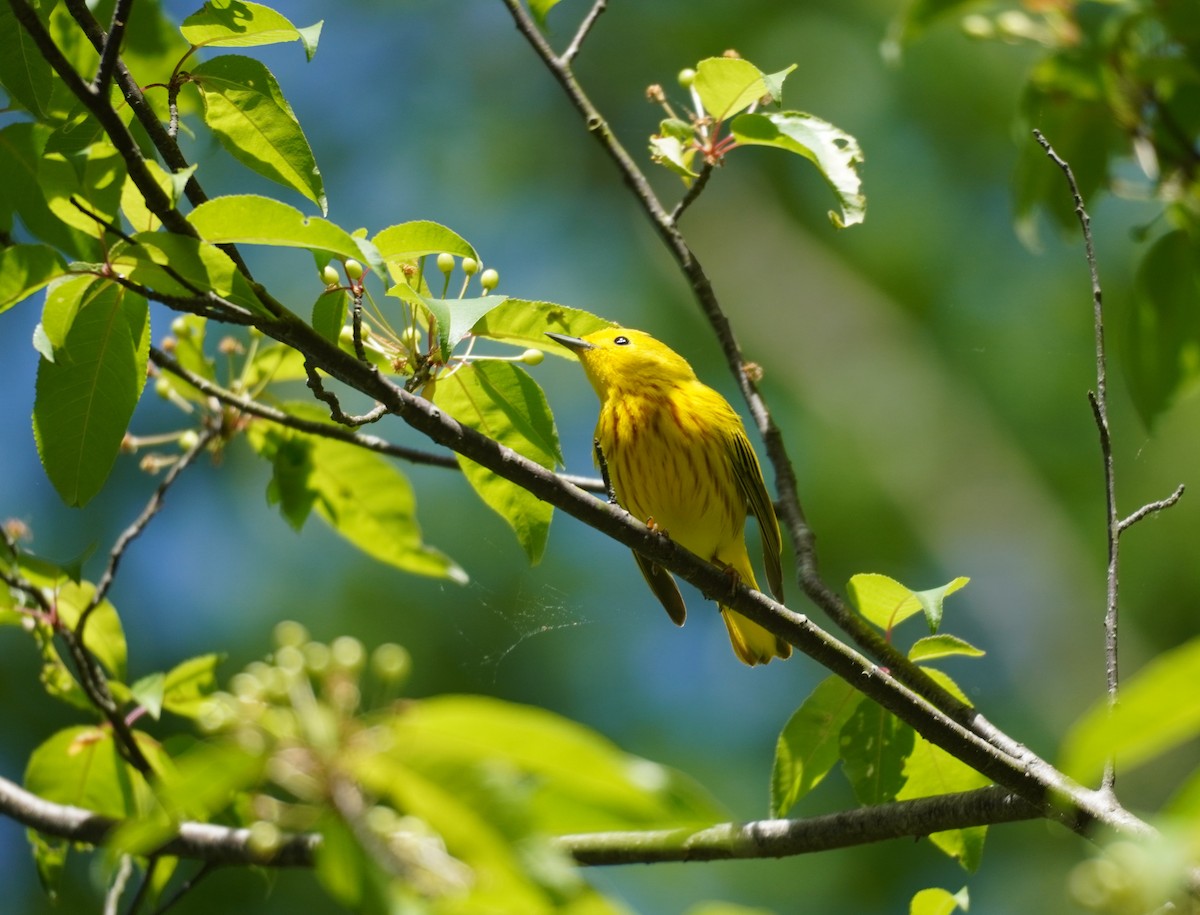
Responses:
[580,780]
[525,323]
[240,23]
[455,317]
[103,636]
[24,71]
[1159,709]
[183,266]
[252,220]
[727,85]
[245,108]
[24,269]
[408,242]
[808,747]
[887,603]
[929,771]
[835,153]
[81,767]
[540,8]
[942,646]
[357,492]
[187,685]
[503,402]
[92,178]
[147,691]
[937,901]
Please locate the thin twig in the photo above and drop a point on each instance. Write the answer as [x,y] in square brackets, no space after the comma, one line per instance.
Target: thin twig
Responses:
[253,407]
[139,524]
[112,47]
[336,413]
[584,28]
[113,896]
[144,885]
[1099,402]
[1151,508]
[693,192]
[760,839]
[187,886]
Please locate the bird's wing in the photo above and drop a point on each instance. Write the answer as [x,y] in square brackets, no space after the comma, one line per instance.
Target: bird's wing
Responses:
[662,583]
[749,476]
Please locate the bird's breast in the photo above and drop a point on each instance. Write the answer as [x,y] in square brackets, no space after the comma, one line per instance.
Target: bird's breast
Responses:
[668,462]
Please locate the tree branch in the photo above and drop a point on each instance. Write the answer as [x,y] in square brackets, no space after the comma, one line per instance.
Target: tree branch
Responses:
[1099,402]
[792,514]
[111,50]
[139,524]
[253,407]
[760,839]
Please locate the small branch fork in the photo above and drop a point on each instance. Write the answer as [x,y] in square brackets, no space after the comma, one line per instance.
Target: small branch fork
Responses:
[1099,403]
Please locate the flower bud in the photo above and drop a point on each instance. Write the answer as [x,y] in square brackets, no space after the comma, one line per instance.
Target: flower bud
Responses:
[470,266]
[489,279]
[445,262]
[330,275]
[533,357]
[686,77]
[354,270]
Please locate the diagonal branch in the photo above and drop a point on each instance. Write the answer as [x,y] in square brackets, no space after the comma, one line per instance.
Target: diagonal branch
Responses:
[131,533]
[792,514]
[111,51]
[253,407]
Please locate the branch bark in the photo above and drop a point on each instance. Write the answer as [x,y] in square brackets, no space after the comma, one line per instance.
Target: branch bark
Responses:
[723,841]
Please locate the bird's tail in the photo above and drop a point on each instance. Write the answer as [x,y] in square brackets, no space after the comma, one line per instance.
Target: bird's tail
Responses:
[751,642]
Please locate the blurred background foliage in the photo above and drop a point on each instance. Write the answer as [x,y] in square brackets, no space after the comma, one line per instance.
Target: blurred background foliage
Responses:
[929,370]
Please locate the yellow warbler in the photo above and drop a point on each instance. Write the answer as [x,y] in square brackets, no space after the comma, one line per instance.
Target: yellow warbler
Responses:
[679,460]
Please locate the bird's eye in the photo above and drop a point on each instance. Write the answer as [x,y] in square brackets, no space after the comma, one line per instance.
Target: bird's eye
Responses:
[621,341]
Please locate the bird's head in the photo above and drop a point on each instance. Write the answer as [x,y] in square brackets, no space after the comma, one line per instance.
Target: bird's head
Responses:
[620,358]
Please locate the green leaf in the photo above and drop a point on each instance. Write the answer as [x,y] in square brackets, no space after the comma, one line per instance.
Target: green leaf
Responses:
[24,269]
[579,780]
[92,177]
[238,24]
[930,771]
[24,72]
[540,8]
[874,746]
[673,153]
[148,693]
[245,108]
[1159,709]
[329,314]
[80,766]
[251,220]
[808,747]
[727,85]
[201,266]
[937,901]
[408,242]
[525,323]
[942,646]
[887,603]
[187,685]
[455,317]
[104,636]
[85,397]
[358,493]
[500,400]
[1162,349]
[22,148]
[133,203]
[835,153]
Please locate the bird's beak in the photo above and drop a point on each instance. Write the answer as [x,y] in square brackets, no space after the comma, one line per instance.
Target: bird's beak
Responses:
[575,344]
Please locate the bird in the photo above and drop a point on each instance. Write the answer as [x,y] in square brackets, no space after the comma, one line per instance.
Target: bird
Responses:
[677,458]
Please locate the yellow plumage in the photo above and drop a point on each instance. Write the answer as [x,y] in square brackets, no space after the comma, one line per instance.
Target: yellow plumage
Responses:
[678,459]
